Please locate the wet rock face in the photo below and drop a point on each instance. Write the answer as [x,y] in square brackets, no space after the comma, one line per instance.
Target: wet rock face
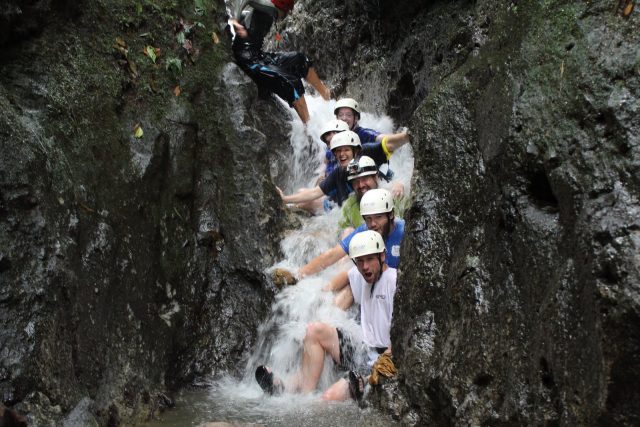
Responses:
[518,297]
[21,19]
[128,266]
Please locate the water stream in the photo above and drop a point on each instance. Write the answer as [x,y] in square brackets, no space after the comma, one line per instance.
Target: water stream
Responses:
[280,337]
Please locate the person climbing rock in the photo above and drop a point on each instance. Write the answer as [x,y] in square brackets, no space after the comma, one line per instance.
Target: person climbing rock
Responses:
[373,284]
[376,208]
[345,147]
[274,72]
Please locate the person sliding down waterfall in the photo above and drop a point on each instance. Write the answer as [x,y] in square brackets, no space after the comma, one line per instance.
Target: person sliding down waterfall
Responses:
[373,284]
[376,208]
[278,73]
[328,131]
[348,110]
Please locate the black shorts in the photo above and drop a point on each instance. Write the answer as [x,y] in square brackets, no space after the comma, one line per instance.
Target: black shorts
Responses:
[347,352]
[280,73]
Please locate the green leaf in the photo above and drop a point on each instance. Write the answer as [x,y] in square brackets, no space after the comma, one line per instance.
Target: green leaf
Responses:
[151,53]
[174,64]
[137,131]
[200,9]
[180,38]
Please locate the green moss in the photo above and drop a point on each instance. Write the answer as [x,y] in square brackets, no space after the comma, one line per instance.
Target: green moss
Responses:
[94,99]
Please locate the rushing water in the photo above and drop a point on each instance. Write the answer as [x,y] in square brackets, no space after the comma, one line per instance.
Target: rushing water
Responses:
[280,337]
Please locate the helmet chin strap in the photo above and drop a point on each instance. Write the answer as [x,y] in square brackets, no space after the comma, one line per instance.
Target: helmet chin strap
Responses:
[373,285]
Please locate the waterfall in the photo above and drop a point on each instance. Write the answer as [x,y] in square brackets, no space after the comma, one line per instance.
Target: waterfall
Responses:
[280,337]
[279,343]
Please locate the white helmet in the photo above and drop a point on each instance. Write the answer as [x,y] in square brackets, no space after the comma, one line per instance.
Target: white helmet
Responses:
[347,102]
[361,167]
[366,243]
[333,125]
[376,201]
[345,139]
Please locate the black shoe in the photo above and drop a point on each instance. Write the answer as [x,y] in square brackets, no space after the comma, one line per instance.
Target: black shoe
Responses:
[265,379]
[356,386]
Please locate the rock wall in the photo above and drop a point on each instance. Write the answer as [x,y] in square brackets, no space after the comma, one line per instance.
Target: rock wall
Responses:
[128,266]
[518,298]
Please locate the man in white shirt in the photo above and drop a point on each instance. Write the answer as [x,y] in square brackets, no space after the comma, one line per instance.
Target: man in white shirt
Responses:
[373,284]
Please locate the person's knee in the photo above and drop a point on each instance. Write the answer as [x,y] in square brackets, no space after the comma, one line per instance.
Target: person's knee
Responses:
[315,331]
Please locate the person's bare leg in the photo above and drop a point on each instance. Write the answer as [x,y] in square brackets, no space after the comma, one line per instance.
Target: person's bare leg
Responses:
[338,391]
[344,299]
[300,105]
[319,338]
[314,80]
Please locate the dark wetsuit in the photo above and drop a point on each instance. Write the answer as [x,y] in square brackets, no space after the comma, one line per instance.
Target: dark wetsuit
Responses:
[279,73]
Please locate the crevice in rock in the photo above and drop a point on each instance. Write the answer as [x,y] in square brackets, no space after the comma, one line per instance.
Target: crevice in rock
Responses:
[5,263]
[609,273]
[540,192]
[546,376]
[483,379]
[443,411]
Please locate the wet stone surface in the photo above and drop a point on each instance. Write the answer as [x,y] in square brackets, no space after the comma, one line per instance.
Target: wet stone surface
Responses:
[127,266]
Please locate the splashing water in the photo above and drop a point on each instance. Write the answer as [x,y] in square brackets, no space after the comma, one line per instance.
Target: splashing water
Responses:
[280,337]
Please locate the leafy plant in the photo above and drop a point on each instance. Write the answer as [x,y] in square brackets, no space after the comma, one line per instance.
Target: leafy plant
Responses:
[199,7]
[174,64]
[152,53]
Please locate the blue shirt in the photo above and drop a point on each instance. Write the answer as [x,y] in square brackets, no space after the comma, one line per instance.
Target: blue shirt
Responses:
[392,243]
[366,135]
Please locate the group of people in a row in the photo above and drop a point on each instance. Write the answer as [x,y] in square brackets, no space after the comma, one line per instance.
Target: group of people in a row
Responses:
[372,228]
[372,234]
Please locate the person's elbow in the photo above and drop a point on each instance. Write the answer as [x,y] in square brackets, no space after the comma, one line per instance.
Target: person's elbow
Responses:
[396,141]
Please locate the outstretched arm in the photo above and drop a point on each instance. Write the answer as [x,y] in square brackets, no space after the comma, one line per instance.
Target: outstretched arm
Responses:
[393,141]
[306,195]
[322,261]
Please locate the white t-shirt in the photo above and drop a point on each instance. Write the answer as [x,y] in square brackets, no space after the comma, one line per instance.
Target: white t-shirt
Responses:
[375,310]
